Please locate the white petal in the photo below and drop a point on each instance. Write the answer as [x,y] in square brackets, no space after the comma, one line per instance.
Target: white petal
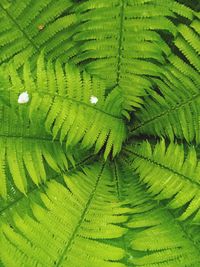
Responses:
[23,98]
[93,99]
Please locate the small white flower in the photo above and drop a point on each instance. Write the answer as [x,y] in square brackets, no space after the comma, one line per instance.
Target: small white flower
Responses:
[93,99]
[23,98]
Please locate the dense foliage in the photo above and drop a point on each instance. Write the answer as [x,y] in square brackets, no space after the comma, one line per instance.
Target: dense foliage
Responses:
[99,133]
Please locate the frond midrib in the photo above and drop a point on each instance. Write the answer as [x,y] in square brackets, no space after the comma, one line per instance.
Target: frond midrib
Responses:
[80,103]
[165,113]
[55,95]
[120,42]
[120,198]
[163,166]
[30,137]
[82,217]
[117,181]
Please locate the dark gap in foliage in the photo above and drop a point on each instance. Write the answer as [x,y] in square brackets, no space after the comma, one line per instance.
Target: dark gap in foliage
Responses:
[176,213]
[143,137]
[193,4]
[168,38]
[157,90]
[181,20]
[133,118]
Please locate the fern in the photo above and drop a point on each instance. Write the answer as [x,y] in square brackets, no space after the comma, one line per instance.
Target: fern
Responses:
[134,51]
[169,175]
[175,110]
[188,43]
[61,101]
[25,149]
[87,209]
[99,133]
[29,26]
[155,236]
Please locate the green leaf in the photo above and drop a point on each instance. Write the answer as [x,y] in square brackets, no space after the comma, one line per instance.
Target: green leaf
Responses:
[174,112]
[170,175]
[66,110]
[27,151]
[127,56]
[99,133]
[27,27]
[71,226]
[156,237]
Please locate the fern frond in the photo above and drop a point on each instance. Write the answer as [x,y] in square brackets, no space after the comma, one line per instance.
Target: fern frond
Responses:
[175,110]
[78,79]
[27,27]
[188,42]
[17,199]
[71,226]
[169,175]
[127,56]
[155,236]
[60,99]
[25,151]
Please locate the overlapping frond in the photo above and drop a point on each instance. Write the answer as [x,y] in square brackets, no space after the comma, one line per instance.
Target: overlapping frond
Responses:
[170,175]
[60,99]
[120,41]
[25,150]
[155,236]
[67,226]
[188,42]
[174,111]
[27,27]
[17,200]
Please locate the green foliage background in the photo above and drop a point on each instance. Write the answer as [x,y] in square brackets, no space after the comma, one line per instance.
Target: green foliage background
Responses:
[111,184]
